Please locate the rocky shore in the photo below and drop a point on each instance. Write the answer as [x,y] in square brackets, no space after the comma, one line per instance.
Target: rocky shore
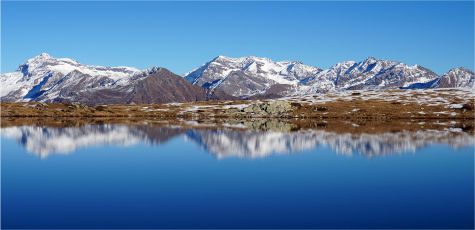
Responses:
[348,105]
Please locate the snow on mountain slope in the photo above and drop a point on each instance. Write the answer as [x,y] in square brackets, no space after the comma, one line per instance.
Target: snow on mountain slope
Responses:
[44,76]
[10,82]
[369,74]
[456,78]
[247,76]
[48,79]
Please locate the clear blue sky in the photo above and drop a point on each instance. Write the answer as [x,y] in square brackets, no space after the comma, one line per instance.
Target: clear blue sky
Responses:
[183,35]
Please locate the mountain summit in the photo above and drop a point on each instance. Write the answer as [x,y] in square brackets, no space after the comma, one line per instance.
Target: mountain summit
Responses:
[456,78]
[247,76]
[48,79]
[251,76]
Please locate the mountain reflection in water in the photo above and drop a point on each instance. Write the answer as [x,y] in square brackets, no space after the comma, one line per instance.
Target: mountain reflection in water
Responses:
[245,140]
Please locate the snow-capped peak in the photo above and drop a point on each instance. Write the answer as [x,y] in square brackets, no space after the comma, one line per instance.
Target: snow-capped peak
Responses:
[43,55]
[251,75]
[45,58]
[45,77]
[459,69]
[459,77]
[47,63]
[38,60]
[371,58]
[43,73]
[257,74]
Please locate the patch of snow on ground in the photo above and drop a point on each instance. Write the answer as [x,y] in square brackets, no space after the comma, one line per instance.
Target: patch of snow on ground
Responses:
[455,106]
[239,106]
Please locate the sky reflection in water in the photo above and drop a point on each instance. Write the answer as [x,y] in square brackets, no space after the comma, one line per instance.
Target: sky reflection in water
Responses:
[171,177]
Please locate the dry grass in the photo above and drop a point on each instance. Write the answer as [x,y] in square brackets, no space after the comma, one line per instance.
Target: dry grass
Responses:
[356,106]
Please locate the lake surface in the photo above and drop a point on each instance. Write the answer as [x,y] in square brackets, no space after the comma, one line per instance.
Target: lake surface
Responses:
[172,176]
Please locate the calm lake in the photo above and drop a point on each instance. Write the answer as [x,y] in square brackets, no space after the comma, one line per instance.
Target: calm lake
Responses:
[265,175]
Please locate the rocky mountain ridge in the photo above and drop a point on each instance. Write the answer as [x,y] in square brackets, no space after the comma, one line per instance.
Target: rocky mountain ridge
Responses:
[252,76]
[48,79]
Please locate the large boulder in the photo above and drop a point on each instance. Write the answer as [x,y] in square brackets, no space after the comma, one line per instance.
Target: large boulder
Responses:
[273,108]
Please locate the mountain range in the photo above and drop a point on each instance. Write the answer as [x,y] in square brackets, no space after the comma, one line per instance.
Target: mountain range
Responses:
[48,79]
[252,76]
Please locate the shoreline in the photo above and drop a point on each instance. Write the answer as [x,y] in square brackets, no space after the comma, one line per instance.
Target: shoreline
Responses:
[261,124]
[447,104]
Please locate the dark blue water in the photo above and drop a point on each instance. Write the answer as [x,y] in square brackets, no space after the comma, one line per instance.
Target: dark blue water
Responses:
[63,178]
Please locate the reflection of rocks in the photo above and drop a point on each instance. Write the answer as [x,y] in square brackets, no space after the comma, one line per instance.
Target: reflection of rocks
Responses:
[268,125]
[251,139]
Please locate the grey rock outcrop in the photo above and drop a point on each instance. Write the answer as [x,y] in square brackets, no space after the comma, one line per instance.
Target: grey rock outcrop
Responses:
[273,108]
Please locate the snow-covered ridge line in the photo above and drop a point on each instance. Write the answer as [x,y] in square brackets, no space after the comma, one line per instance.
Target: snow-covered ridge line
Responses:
[43,73]
[66,65]
[250,76]
[45,78]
